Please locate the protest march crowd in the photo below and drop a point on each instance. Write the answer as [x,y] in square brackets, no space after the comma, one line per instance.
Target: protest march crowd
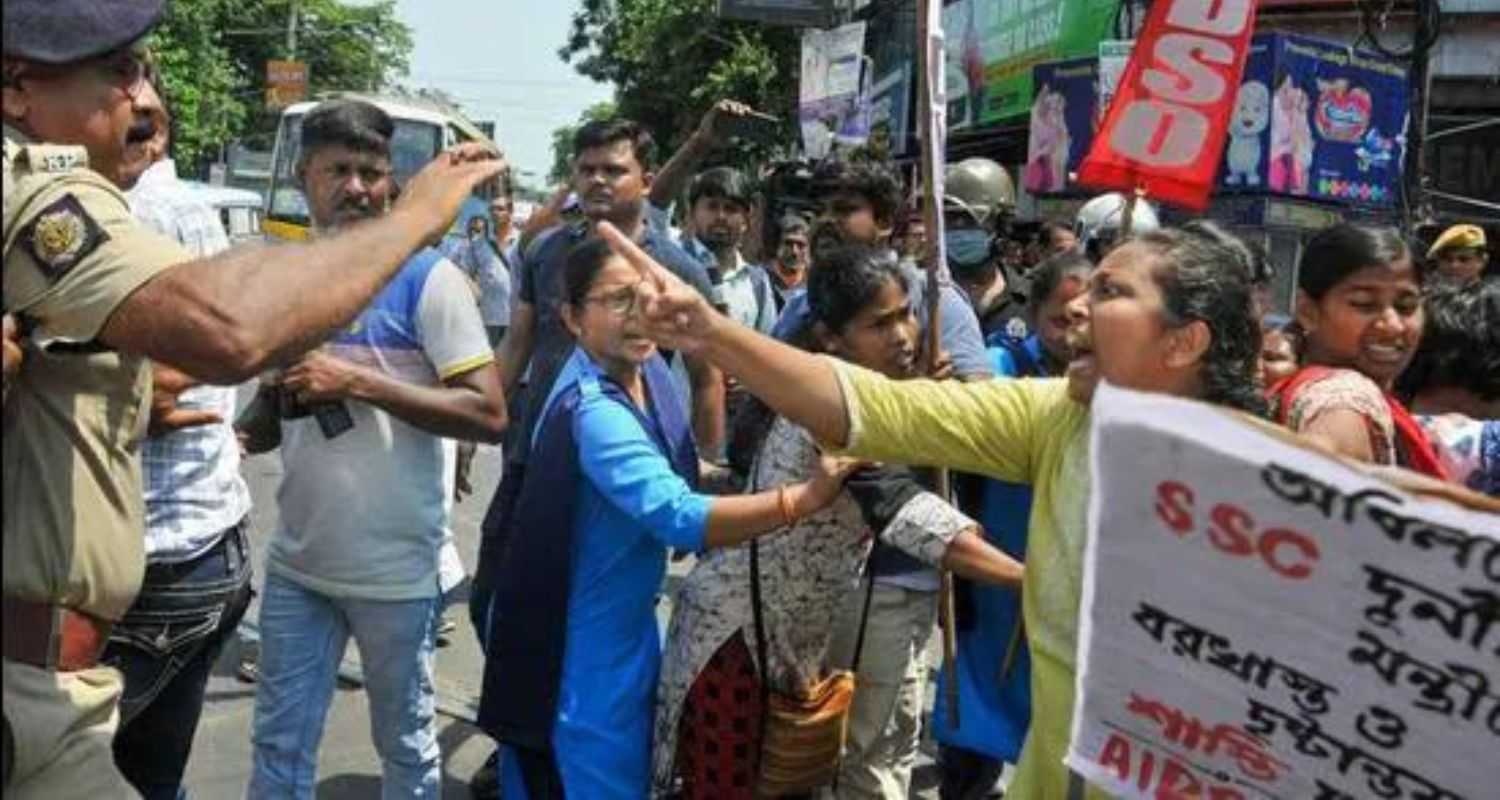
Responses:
[661,385]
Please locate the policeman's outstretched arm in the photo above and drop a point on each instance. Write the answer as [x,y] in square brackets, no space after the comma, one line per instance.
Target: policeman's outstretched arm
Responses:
[226,318]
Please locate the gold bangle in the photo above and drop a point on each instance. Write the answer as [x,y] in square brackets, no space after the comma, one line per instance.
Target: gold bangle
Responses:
[785,501]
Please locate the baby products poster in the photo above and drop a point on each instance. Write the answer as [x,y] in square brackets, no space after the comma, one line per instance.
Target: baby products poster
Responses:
[1319,120]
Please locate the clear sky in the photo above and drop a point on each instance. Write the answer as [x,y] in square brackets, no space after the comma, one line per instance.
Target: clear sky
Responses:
[498,58]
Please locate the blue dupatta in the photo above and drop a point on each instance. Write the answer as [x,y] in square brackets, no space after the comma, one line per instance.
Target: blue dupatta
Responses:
[530,540]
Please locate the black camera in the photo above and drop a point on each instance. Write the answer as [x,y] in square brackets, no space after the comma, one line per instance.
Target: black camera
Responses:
[333,417]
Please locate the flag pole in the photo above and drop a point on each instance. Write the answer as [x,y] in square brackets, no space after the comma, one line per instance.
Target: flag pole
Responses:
[1127,221]
[932,216]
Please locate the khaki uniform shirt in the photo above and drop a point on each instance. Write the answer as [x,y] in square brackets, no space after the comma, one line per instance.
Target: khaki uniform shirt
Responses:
[73,508]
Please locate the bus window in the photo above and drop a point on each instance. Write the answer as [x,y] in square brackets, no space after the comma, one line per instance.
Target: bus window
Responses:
[287,203]
[414,144]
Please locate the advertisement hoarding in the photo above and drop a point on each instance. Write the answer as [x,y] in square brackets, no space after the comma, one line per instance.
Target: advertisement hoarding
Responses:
[993,44]
[1063,118]
[1316,119]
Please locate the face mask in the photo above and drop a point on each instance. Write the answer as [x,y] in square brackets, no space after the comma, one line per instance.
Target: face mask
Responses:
[968,249]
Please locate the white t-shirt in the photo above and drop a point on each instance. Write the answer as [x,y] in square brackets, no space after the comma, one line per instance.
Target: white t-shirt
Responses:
[364,514]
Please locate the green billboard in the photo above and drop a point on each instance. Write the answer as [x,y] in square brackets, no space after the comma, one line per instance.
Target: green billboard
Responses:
[993,44]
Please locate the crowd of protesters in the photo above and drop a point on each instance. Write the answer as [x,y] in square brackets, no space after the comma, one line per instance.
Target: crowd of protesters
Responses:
[851,588]
[758,389]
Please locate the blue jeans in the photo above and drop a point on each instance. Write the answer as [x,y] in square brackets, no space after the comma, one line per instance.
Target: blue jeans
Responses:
[165,647]
[302,639]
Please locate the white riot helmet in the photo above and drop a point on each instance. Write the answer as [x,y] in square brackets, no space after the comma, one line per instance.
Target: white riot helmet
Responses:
[1098,222]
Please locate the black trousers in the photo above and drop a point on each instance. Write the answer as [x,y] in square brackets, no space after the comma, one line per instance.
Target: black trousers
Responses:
[166,647]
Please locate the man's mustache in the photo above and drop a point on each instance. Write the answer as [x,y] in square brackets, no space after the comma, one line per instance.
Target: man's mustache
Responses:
[140,131]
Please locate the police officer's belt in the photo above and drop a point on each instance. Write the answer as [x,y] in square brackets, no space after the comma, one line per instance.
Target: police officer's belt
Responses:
[52,637]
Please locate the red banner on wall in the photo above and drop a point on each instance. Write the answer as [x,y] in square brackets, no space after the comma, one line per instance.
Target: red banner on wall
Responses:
[1165,130]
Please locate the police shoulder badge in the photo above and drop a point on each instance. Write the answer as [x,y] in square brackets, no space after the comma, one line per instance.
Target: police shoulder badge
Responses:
[55,158]
[62,235]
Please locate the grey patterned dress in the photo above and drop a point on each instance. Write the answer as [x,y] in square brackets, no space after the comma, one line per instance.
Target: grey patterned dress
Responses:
[806,572]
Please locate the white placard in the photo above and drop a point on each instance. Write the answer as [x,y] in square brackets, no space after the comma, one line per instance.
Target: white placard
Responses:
[1259,621]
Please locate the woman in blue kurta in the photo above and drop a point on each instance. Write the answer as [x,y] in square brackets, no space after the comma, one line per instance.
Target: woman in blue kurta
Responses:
[993,664]
[609,485]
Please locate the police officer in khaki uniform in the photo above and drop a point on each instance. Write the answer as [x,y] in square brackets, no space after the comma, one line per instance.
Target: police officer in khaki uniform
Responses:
[97,298]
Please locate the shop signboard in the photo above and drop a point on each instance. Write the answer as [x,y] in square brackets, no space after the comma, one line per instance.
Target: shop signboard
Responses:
[286,83]
[1464,161]
[1063,118]
[993,45]
[1318,120]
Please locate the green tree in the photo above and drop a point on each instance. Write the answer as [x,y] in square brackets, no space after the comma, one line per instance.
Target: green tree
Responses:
[212,56]
[562,140]
[204,88]
[345,47]
[671,59]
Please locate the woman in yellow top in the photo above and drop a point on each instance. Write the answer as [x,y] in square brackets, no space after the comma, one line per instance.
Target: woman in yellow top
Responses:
[1167,312]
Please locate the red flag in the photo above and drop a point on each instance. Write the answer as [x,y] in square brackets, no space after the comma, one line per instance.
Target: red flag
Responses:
[1165,129]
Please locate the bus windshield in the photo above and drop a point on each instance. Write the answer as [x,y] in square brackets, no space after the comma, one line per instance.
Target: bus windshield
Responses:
[415,143]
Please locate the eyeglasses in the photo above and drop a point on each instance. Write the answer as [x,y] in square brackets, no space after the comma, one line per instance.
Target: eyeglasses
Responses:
[127,69]
[620,302]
